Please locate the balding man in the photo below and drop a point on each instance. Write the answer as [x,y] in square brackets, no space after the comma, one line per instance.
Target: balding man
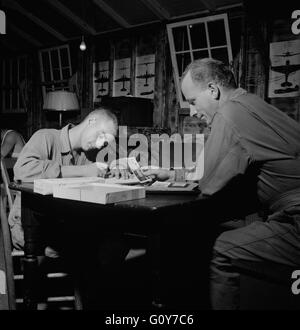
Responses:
[52,153]
[256,142]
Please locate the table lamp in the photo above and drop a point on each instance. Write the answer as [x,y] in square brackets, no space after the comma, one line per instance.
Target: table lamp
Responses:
[61,101]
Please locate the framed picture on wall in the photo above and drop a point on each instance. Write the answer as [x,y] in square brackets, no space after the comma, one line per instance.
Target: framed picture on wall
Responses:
[285,69]
[144,76]
[100,80]
[122,77]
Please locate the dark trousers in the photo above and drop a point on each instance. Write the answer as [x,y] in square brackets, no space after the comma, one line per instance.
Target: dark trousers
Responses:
[93,256]
[275,240]
[97,268]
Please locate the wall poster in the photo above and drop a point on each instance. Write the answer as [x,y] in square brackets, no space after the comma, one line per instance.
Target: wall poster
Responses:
[145,75]
[100,79]
[121,80]
[284,75]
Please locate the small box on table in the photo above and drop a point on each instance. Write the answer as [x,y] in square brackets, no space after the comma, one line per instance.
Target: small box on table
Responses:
[99,193]
[45,186]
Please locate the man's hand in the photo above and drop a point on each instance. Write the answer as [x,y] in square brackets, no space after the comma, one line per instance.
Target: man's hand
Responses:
[120,173]
[158,174]
[119,169]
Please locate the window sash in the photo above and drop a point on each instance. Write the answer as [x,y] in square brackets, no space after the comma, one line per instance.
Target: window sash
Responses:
[191,51]
[57,71]
[11,98]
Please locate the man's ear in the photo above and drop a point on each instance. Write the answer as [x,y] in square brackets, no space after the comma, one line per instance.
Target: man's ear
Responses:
[214,90]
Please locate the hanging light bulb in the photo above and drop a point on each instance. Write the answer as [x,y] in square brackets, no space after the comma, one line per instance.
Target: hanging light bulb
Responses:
[82,45]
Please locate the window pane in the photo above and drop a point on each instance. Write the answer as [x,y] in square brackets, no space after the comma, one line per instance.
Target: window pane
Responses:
[182,61]
[54,58]
[56,74]
[66,73]
[64,57]
[46,62]
[220,54]
[15,98]
[47,75]
[216,31]
[200,54]
[180,39]
[198,36]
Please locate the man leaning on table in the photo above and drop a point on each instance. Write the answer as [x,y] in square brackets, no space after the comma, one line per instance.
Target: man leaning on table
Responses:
[246,133]
[63,153]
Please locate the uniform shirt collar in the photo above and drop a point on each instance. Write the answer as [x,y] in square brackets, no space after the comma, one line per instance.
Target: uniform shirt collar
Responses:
[236,93]
[64,138]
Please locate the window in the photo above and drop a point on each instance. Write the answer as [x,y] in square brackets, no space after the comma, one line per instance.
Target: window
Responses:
[56,68]
[198,38]
[13,73]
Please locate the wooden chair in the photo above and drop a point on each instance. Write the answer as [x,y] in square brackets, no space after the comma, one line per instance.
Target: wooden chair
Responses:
[6,264]
[13,257]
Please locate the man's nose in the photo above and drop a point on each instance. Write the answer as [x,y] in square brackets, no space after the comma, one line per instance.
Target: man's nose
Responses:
[193,110]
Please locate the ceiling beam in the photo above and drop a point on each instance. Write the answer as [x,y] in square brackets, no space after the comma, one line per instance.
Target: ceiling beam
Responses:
[84,26]
[157,9]
[24,35]
[202,12]
[12,4]
[209,4]
[112,13]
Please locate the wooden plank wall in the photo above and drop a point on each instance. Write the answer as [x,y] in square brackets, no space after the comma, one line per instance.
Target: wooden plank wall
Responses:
[252,45]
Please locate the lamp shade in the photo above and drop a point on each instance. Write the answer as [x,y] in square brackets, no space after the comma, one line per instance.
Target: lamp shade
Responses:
[61,101]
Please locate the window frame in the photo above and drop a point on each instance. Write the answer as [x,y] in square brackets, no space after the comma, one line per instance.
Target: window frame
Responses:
[52,82]
[7,87]
[184,104]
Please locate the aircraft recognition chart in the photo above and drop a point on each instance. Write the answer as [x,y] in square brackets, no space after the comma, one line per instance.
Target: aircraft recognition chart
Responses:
[284,69]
